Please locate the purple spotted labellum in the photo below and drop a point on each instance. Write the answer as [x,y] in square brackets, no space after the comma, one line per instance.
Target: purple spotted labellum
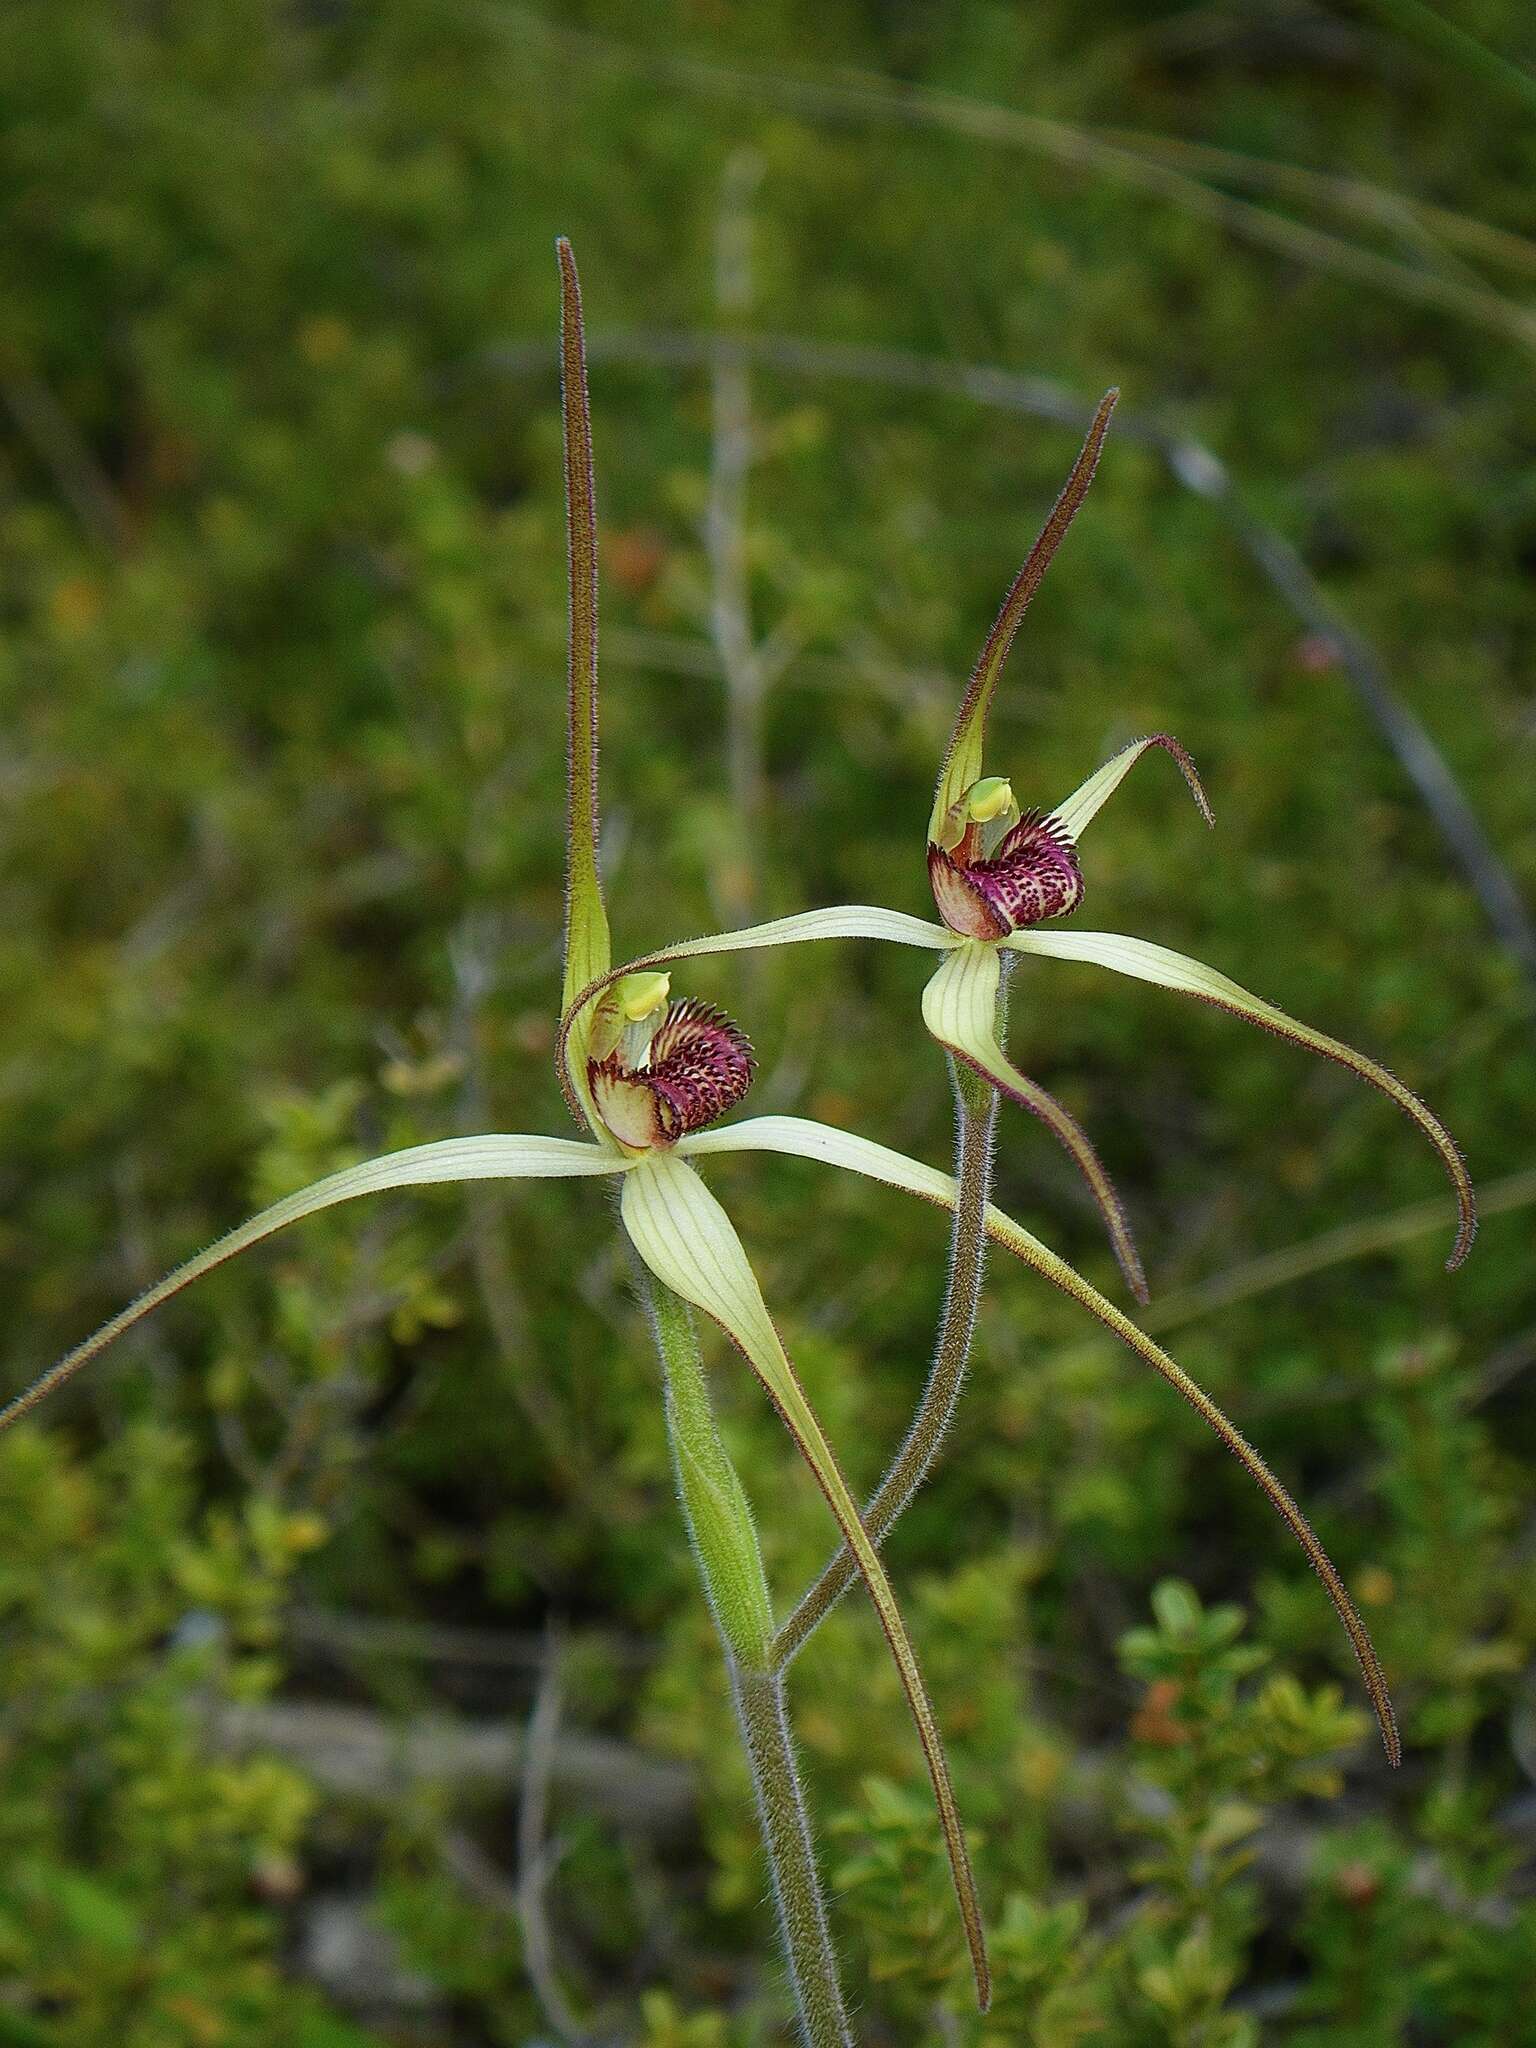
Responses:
[658,1084]
[1033,874]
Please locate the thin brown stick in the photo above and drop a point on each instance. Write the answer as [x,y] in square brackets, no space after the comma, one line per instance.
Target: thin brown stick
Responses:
[1362,1240]
[63,450]
[1379,204]
[533,1854]
[882,101]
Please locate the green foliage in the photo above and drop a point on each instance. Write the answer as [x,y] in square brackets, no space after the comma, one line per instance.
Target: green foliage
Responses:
[140,1874]
[281,704]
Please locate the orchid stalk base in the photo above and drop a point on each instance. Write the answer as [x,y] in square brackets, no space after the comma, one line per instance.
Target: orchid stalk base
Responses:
[730,1564]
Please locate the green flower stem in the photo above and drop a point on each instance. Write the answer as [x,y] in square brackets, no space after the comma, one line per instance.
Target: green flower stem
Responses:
[720,1523]
[791,1858]
[976,1103]
[715,1504]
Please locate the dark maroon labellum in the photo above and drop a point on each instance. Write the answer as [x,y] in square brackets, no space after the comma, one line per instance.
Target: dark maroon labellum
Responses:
[700,1065]
[1032,875]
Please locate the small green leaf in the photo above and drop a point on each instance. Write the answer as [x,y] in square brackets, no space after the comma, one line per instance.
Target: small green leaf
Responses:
[1176,1607]
[690,1244]
[1146,962]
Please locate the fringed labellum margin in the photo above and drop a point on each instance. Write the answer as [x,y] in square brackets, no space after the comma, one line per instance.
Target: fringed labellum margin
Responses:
[1031,875]
[671,1077]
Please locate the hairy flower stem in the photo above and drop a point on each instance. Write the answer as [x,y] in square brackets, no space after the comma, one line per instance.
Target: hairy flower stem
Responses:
[730,1564]
[976,1103]
[791,1857]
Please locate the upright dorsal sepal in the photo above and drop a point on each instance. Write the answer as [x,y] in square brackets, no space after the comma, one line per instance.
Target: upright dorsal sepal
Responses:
[962,759]
[587,945]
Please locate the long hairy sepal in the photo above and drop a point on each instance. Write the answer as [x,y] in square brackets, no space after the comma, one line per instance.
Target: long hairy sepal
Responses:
[959,1008]
[449,1159]
[1005,1232]
[963,756]
[586,939]
[1143,961]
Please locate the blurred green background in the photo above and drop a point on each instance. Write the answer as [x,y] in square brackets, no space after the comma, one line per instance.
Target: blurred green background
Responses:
[281,700]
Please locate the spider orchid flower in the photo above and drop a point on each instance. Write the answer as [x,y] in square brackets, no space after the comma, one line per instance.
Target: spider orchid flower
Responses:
[999,874]
[648,1075]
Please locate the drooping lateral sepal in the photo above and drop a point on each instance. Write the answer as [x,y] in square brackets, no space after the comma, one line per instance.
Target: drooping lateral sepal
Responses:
[698,1065]
[800,1138]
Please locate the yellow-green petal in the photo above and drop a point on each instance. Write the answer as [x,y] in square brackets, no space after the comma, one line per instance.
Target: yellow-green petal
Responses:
[1085,802]
[450,1159]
